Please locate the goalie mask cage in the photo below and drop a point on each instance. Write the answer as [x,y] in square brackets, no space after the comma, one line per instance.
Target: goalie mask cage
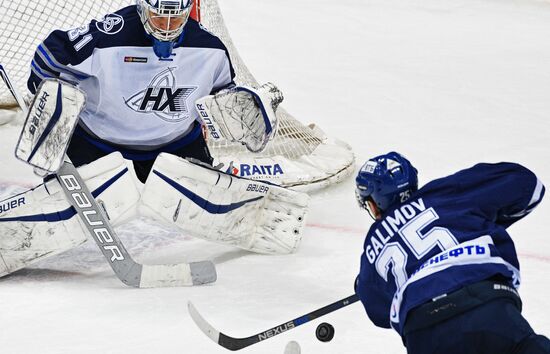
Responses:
[299,156]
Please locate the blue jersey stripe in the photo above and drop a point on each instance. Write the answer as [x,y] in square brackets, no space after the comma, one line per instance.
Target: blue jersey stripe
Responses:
[39,71]
[56,66]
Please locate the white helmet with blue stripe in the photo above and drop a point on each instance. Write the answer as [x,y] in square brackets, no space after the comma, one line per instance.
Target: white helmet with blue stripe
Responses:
[164,19]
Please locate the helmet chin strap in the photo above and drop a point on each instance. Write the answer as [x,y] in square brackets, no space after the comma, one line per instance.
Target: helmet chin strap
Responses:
[373,209]
[163,49]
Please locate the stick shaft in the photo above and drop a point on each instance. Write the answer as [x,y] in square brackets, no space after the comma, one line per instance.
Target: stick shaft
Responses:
[233,343]
[13,90]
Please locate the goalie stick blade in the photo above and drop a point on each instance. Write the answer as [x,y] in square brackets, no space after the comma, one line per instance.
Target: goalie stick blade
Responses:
[232,343]
[183,274]
[203,272]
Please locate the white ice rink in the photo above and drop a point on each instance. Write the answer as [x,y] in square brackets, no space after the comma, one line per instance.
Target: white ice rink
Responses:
[448,83]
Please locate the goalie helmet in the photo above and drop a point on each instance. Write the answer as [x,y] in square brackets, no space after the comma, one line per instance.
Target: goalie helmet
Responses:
[164,19]
[384,181]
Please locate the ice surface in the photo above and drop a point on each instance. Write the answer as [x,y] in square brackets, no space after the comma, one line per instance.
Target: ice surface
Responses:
[449,83]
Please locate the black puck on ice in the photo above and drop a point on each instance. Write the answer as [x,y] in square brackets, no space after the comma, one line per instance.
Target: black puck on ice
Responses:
[325,332]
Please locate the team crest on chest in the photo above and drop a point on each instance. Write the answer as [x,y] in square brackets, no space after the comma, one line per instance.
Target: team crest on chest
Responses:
[163,98]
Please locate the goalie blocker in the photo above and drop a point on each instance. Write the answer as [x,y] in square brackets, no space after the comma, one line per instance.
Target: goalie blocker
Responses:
[51,120]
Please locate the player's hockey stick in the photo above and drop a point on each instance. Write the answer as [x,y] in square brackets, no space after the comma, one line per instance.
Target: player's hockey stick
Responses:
[232,343]
[128,271]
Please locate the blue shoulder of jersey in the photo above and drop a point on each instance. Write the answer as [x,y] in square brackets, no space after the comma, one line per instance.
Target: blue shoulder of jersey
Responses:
[61,51]
[197,36]
[504,192]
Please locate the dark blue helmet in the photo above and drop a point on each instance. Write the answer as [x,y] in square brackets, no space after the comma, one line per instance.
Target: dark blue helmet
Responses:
[385,180]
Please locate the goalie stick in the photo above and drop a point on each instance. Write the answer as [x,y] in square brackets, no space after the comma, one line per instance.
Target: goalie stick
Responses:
[127,270]
[234,344]
[13,91]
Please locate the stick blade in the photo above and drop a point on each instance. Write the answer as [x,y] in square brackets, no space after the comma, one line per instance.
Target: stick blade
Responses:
[204,326]
[171,275]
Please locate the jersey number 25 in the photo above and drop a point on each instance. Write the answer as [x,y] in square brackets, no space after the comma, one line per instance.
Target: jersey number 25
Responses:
[417,242]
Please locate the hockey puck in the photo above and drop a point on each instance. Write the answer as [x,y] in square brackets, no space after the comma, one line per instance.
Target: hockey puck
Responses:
[325,332]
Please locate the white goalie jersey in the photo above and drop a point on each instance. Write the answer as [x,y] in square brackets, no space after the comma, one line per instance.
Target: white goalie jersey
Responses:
[134,99]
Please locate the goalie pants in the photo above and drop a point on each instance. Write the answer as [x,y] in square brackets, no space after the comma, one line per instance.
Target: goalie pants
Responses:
[480,320]
[85,148]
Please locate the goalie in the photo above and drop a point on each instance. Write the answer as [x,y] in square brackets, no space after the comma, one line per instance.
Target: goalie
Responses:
[140,71]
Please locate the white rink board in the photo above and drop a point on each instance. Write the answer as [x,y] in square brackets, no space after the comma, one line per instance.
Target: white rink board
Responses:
[448,83]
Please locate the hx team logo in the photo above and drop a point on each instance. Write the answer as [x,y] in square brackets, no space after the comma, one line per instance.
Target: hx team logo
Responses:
[111,24]
[258,171]
[163,98]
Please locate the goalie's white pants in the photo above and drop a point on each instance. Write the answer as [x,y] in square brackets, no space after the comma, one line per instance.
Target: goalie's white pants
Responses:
[219,207]
[41,222]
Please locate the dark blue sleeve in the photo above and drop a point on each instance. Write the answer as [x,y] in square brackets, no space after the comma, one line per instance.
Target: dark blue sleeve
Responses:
[504,192]
[375,305]
[60,52]
[224,81]
[375,300]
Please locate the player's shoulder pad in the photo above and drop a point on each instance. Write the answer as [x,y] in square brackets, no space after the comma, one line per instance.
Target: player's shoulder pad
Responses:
[196,35]
[120,28]
[73,46]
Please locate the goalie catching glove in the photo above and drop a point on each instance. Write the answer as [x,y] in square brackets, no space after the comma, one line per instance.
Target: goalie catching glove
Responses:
[242,114]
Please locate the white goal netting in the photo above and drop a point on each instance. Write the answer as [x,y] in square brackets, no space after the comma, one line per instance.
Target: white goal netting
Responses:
[298,156]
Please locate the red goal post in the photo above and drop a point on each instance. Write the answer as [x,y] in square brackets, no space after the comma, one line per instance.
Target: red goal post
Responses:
[196,11]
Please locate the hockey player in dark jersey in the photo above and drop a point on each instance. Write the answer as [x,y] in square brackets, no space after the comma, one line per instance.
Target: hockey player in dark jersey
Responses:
[438,264]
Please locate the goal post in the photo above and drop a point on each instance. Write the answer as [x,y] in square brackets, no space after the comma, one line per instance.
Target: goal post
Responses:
[299,155]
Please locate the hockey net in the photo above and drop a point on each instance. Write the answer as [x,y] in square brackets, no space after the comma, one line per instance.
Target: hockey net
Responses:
[299,156]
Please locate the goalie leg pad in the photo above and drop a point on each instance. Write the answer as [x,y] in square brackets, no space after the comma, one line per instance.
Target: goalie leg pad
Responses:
[41,222]
[111,183]
[219,207]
